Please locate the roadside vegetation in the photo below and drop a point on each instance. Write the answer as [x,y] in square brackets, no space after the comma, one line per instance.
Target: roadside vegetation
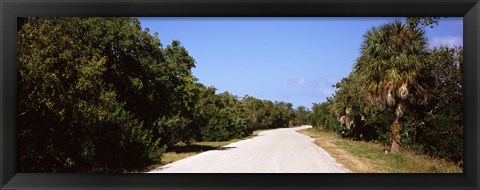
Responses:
[400,95]
[370,157]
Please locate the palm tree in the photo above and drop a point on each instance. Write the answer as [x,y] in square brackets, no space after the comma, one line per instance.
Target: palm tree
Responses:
[392,57]
[346,95]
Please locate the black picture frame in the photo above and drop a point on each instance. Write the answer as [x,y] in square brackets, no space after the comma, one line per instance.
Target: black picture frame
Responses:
[9,10]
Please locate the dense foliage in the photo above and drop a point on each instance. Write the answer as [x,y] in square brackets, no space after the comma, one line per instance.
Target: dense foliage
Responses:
[399,95]
[103,95]
[389,69]
[86,88]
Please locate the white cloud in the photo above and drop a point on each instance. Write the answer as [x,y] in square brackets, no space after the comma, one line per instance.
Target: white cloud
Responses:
[449,41]
[308,90]
[300,82]
[304,82]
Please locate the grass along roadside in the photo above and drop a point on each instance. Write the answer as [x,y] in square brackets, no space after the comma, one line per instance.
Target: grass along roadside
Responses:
[182,150]
[367,157]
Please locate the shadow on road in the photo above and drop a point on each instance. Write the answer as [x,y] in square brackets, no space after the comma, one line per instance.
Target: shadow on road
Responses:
[195,148]
[224,148]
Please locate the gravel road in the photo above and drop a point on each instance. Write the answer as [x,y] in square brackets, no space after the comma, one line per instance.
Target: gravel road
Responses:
[273,151]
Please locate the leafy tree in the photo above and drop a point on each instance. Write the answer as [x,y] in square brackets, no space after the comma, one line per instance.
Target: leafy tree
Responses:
[254,112]
[392,56]
[222,117]
[283,113]
[440,133]
[422,21]
[302,115]
[79,80]
[348,102]
[265,114]
[105,87]
[323,117]
[176,121]
[357,118]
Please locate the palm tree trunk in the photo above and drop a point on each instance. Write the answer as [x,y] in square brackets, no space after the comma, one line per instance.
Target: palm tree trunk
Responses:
[396,128]
[395,135]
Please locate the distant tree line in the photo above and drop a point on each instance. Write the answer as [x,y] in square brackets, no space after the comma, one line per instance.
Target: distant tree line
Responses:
[400,93]
[103,95]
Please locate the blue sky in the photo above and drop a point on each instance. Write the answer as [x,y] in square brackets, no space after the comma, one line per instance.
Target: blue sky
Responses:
[295,60]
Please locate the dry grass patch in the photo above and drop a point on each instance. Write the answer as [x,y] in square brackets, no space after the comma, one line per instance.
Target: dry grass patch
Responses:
[328,142]
[367,157]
